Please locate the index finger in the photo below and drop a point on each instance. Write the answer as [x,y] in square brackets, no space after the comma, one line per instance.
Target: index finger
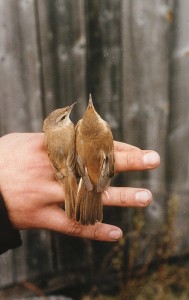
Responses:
[120,146]
[131,158]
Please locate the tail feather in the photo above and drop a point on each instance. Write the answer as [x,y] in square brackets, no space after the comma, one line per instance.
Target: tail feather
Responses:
[88,206]
[70,188]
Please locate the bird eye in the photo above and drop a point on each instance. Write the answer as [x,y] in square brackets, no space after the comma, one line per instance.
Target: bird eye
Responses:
[60,118]
[63,117]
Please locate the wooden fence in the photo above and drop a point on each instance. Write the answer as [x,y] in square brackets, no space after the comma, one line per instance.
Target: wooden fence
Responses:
[133,56]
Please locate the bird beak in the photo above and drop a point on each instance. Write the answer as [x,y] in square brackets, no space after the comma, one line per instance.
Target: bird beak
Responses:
[90,101]
[71,106]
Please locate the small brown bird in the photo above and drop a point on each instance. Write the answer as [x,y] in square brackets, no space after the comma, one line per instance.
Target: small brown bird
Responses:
[94,163]
[60,143]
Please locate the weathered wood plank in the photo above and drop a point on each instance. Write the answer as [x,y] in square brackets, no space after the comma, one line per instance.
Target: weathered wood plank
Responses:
[104,82]
[64,57]
[19,77]
[6,265]
[21,110]
[63,53]
[104,60]
[103,71]
[146,35]
[179,131]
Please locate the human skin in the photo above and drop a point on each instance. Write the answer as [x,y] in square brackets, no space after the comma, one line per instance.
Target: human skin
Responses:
[33,197]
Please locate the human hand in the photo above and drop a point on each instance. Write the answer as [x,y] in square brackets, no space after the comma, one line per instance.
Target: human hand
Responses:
[33,197]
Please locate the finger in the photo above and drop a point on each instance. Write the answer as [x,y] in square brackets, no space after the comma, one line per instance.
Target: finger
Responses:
[54,218]
[119,146]
[53,192]
[121,196]
[136,160]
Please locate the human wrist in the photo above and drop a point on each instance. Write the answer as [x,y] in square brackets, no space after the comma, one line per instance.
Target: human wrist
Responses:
[9,237]
[2,159]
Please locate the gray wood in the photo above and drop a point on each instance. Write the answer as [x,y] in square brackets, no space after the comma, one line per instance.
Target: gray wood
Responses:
[21,111]
[179,131]
[145,41]
[104,60]
[62,36]
[21,107]
[6,277]
[104,83]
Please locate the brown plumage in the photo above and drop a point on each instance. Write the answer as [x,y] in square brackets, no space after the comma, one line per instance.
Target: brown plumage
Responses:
[59,134]
[94,163]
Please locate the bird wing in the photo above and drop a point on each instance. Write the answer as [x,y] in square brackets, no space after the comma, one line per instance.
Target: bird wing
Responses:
[83,172]
[56,152]
[106,171]
[81,167]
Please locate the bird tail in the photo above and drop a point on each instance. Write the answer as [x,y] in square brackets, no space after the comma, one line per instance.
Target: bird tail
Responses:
[70,188]
[89,208]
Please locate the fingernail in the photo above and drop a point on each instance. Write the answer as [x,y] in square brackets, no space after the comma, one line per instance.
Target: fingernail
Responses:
[151,158]
[143,197]
[115,234]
